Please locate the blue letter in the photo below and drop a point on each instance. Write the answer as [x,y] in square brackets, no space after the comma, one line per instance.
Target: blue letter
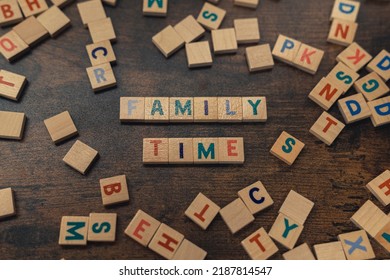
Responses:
[99,75]
[130,106]
[288,44]
[346,8]
[378,109]
[357,110]
[381,63]
[252,197]
[104,50]
[228,112]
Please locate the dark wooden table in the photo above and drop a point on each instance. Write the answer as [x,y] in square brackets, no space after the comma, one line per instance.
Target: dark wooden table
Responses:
[46,189]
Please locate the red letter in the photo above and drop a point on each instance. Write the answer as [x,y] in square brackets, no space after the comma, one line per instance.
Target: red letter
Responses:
[387,185]
[306,55]
[6,10]
[344,33]
[200,215]
[169,240]
[5,82]
[110,189]
[329,124]
[156,142]
[30,4]
[231,148]
[6,41]
[357,57]
[140,228]
[329,94]
[257,241]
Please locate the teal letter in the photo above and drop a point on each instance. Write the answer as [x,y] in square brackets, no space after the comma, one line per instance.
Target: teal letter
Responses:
[159,3]
[187,107]
[254,106]
[210,150]
[209,15]
[373,83]
[96,228]
[288,147]
[288,228]
[342,76]
[73,230]
[386,236]
[157,107]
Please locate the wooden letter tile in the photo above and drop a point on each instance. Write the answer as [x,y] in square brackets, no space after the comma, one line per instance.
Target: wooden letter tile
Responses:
[259,246]
[259,58]
[142,228]
[329,251]
[132,109]
[254,109]
[354,56]
[247,30]
[380,187]
[297,207]
[114,190]
[256,197]
[302,252]
[12,125]
[343,76]
[100,53]
[61,127]
[286,231]
[345,9]
[189,29]
[181,109]
[31,31]
[61,3]
[381,65]
[202,211]
[74,230]
[383,237]
[356,245]
[155,151]
[247,3]
[54,20]
[380,111]
[308,59]
[157,8]
[10,12]
[189,251]
[236,215]
[101,77]
[32,7]
[102,30]
[229,109]
[166,241]
[327,128]
[371,86]
[205,109]
[286,49]
[168,41]
[224,41]
[156,109]
[211,16]
[287,148]
[231,150]
[91,11]
[11,85]
[342,32]
[354,108]
[12,46]
[7,207]
[102,227]
[325,93]
[80,157]
[198,54]
[181,151]
[206,150]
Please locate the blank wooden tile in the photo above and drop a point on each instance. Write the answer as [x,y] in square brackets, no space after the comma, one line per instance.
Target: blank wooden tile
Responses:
[211,16]
[181,109]
[206,150]
[354,56]
[12,46]
[327,128]
[114,190]
[236,215]
[180,151]
[354,108]
[102,227]
[224,41]
[61,3]
[205,109]
[259,58]
[74,230]
[168,41]
[166,241]
[91,11]
[286,49]
[12,125]
[31,31]
[329,251]
[132,109]
[7,203]
[325,93]
[157,8]
[54,20]
[380,187]
[231,150]
[142,228]
[101,30]
[380,65]
[342,32]
[254,109]
[202,211]
[343,76]
[297,207]
[101,77]
[380,111]
[256,197]
[247,30]
[345,9]
[287,148]
[198,54]
[229,109]
[10,12]
[80,157]
[247,3]
[286,231]
[302,252]
[61,127]
[259,246]
[100,53]
[11,85]
[308,59]
[189,251]
[155,151]
[30,8]
[356,245]
[189,29]
[156,109]
[383,237]
[371,86]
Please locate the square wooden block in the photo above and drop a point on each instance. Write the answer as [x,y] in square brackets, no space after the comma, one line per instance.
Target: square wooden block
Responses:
[100,53]
[198,54]
[91,11]
[54,20]
[61,127]
[12,46]
[297,207]
[211,16]
[74,230]
[254,109]
[101,77]
[224,41]
[189,251]
[114,190]
[132,109]
[330,251]
[12,125]
[168,41]
[236,215]
[287,148]
[231,150]
[259,58]
[371,86]
[356,245]
[308,59]
[157,8]
[256,197]
[206,150]
[259,246]
[302,252]
[380,65]
[286,49]
[380,187]
[61,3]
[383,237]
[166,241]
[325,93]
[247,3]
[327,128]
[286,231]
[180,151]
[102,30]
[354,108]
[181,109]
[30,8]
[380,111]
[142,228]
[110,2]
[14,14]
[343,76]
[155,151]
[31,31]
[7,203]
[202,211]
[80,157]
[205,109]
[342,32]
[11,85]
[102,227]
[345,9]
[247,30]
[354,56]
[189,29]
[229,109]
[157,109]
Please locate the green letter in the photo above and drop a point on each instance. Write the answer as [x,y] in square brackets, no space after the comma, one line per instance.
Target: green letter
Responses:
[187,107]
[73,230]
[157,107]
[201,150]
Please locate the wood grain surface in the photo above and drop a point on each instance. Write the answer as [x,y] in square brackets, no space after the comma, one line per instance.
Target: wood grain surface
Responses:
[46,189]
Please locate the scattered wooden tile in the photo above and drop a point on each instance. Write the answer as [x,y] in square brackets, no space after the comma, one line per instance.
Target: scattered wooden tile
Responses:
[11,85]
[205,109]
[383,237]
[198,54]
[354,108]
[157,8]
[380,187]
[286,49]
[189,29]
[380,111]
[31,31]
[329,251]
[166,241]
[345,9]
[157,109]
[302,252]
[371,86]
[102,227]
[224,41]
[256,197]
[110,2]
[343,76]
[61,3]
[202,211]
[61,127]
[101,77]
[168,41]
[180,151]
[356,245]
[189,251]
[12,125]
[211,16]
[10,12]
[54,20]
[325,93]
[308,59]
[7,203]
[31,8]
[327,128]
[114,190]
[342,32]
[381,65]
[74,230]
[142,228]
[132,109]
[254,109]
[101,30]
[155,151]
[297,207]
[247,3]
[91,11]
[259,246]
[231,150]
[181,109]
[80,157]
[354,56]
[286,231]
[259,58]
[236,215]
[229,109]
[100,53]
[206,150]
[247,30]
[12,46]
[287,148]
